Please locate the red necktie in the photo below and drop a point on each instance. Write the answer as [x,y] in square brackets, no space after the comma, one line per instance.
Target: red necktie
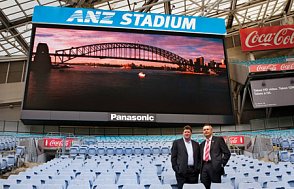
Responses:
[207,149]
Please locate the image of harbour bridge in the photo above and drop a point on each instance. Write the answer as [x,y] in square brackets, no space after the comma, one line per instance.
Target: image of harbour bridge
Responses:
[65,48]
[123,51]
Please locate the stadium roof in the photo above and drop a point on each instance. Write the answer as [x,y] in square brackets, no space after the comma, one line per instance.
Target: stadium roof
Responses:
[16,15]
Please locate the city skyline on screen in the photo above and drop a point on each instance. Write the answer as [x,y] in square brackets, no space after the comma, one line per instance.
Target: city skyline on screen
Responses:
[188,47]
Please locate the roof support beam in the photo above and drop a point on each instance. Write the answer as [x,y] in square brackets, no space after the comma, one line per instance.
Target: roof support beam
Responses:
[149,2]
[4,49]
[84,3]
[288,6]
[264,13]
[167,8]
[273,12]
[151,5]
[17,23]
[129,4]
[243,7]
[210,8]
[231,16]
[13,31]
[235,30]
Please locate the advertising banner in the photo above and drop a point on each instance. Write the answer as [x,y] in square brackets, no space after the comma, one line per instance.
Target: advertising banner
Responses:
[235,140]
[56,142]
[266,38]
[271,67]
[128,20]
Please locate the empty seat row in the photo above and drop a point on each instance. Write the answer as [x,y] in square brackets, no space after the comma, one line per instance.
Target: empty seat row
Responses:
[94,151]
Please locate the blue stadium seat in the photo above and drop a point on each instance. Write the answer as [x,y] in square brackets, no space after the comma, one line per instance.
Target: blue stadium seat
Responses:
[165,150]
[193,186]
[291,158]
[119,151]
[92,151]
[225,185]
[73,152]
[285,145]
[101,151]
[147,151]
[284,156]
[252,185]
[128,151]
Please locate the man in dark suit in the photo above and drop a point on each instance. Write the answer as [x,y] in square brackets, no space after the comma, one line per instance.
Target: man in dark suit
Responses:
[185,158]
[214,155]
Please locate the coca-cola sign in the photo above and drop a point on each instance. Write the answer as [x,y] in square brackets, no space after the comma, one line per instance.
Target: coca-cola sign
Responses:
[56,142]
[235,139]
[271,67]
[275,37]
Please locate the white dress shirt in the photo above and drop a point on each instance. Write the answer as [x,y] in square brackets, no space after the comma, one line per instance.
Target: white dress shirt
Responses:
[190,152]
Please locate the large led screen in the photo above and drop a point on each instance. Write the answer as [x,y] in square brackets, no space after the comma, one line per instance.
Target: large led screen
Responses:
[95,74]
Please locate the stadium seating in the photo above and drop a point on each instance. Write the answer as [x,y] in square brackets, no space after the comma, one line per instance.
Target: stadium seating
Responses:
[143,163]
[193,186]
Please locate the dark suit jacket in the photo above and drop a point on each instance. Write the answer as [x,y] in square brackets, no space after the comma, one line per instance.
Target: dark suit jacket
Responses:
[219,153]
[179,156]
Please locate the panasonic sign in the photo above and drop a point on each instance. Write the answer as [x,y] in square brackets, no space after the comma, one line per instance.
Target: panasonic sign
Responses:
[132,117]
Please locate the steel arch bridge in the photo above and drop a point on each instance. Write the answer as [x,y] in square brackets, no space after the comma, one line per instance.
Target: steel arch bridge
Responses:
[129,51]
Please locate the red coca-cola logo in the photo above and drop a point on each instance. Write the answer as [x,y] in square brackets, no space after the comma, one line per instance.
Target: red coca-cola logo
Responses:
[271,67]
[56,142]
[235,139]
[255,39]
[282,37]
[267,67]
[287,66]
[267,38]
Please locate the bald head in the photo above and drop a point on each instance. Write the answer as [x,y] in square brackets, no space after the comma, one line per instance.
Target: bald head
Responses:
[207,130]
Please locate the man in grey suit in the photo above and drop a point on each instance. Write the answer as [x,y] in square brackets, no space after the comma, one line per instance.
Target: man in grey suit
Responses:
[185,158]
[214,156]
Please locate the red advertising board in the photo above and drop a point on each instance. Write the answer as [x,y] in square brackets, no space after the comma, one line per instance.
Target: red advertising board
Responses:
[265,38]
[236,140]
[271,67]
[56,142]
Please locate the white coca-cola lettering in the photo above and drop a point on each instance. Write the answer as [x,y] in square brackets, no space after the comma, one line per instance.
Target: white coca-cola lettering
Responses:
[268,67]
[284,36]
[254,39]
[287,66]
[57,142]
[233,140]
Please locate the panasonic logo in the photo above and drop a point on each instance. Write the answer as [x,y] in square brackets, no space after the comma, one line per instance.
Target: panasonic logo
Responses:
[132,117]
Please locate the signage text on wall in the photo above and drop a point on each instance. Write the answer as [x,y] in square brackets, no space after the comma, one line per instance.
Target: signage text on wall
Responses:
[265,38]
[235,140]
[128,20]
[56,142]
